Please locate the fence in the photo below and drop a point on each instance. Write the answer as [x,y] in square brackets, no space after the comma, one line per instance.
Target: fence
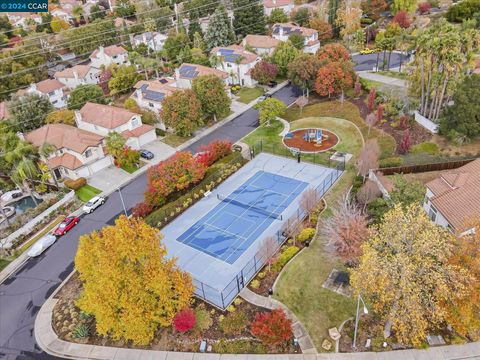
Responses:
[223,298]
[412,169]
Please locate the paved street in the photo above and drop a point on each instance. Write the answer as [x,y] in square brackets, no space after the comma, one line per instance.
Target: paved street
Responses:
[368,61]
[22,295]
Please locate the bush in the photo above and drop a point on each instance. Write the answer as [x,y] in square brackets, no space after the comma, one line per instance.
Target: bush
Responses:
[130,104]
[284,258]
[255,284]
[425,147]
[75,184]
[141,210]
[234,323]
[230,308]
[306,234]
[204,320]
[184,320]
[239,347]
[424,7]
[217,149]
[390,162]
[366,21]
[272,328]
[463,11]
[80,331]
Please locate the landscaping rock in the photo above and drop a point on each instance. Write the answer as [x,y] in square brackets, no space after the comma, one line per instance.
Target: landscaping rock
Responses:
[334,334]
[327,344]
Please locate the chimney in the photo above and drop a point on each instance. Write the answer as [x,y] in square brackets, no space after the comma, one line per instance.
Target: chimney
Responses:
[139,94]
[101,51]
[78,118]
[75,75]
[177,73]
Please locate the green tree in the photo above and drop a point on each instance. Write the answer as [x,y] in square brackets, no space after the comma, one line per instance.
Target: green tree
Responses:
[123,79]
[303,71]
[248,17]
[149,118]
[203,7]
[96,13]
[83,94]
[57,24]
[28,112]
[115,144]
[124,8]
[126,265]
[61,116]
[219,31]
[302,17]
[405,275]
[78,13]
[210,90]
[333,6]
[404,5]
[269,109]
[194,25]
[5,26]
[174,44]
[85,39]
[277,16]
[463,117]
[284,54]
[297,40]
[182,111]
[152,14]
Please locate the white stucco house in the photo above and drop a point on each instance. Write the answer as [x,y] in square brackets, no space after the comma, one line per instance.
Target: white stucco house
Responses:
[106,56]
[20,19]
[79,153]
[186,73]
[153,40]
[53,89]
[453,199]
[285,5]
[78,75]
[283,31]
[102,119]
[261,44]
[237,63]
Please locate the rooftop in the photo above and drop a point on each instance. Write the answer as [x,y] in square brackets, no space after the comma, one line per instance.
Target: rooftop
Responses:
[49,85]
[156,90]
[81,70]
[261,41]
[277,3]
[191,71]
[289,28]
[110,51]
[106,116]
[234,53]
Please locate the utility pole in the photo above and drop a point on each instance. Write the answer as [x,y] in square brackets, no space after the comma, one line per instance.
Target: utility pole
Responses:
[123,203]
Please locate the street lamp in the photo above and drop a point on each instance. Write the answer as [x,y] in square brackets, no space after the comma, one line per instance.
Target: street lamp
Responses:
[123,203]
[357,318]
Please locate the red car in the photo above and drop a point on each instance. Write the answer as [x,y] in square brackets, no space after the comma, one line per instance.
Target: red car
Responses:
[67,223]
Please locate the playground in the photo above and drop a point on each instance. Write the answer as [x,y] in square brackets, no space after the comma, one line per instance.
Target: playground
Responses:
[310,140]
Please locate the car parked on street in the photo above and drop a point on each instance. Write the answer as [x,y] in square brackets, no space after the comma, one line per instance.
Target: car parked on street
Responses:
[368,51]
[67,223]
[41,245]
[146,154]
[93,204]
[264,97]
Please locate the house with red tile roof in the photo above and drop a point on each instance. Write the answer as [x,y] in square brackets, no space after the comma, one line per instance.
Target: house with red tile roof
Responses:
[78,153]
[102,119]
[283,31]
[186,73]
[237,63]
[285,5]
[261,44]
[78,75]
[106,56]
[53,89]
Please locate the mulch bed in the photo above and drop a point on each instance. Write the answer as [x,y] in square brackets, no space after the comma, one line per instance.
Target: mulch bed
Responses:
[297,141]
[66,316]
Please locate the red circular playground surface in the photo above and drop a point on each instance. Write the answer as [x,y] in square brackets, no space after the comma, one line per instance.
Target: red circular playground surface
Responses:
[310,140]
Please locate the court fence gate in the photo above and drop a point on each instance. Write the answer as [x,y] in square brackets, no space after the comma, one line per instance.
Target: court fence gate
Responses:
[221,298]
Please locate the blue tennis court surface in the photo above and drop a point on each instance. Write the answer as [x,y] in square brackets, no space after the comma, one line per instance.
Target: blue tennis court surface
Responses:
[227,230]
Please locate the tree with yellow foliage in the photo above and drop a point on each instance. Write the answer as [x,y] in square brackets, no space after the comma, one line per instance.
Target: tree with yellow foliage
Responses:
[129,284]
[463,310]
[406,275]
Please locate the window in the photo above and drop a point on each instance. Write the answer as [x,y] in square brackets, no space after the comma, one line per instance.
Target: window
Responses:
[135,121]
[432,213]
[425,199]
[115,56]
[229,65]
[150,104]
[51,93]
[95,127]
[88,153]
[450,228]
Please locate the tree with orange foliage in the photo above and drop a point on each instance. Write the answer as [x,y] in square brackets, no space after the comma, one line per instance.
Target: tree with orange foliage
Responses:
[334,78]
[324,28]
[333,53]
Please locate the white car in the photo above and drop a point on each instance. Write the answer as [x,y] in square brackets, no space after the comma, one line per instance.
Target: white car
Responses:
[93,204]
[41,245]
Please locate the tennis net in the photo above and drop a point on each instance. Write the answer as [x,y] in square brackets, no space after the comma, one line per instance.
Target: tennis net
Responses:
[249,206]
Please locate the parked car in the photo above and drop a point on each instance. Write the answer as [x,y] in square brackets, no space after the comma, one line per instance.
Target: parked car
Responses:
[264,96]
[67,223]
[368,51]
[93,204]
[272,84]
[146,154]
[41,245]
[11,195]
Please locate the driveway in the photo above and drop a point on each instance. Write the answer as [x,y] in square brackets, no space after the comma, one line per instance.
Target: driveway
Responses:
[24,292]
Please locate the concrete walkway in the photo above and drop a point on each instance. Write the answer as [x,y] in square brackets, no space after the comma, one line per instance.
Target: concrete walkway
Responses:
[383,79]
[299,331]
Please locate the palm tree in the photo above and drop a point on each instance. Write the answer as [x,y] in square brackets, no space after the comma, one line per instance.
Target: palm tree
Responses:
[25,170]
[115,143]
[78,12]
[45,151]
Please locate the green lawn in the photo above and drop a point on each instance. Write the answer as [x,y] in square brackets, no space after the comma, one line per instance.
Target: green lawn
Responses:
[87,192]
[4,263]
[394,74]
[175,140]
[249,94]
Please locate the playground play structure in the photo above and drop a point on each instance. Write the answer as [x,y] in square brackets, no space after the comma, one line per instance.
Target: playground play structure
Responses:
[310,140]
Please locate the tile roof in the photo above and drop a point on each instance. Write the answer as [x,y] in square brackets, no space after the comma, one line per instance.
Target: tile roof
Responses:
[106,116]
[110,51]
[139,131]
[456,194]
[156,90]
[261,41]
[64,136]
[66,160]
[234,52]
[3,110]
[82,71]
[289,28]
[277,3]
[49,85]
[191,71]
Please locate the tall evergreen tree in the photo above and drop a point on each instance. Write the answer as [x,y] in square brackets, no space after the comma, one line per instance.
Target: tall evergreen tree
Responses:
[333,6]
[219,31]
[248,17]
[194,25]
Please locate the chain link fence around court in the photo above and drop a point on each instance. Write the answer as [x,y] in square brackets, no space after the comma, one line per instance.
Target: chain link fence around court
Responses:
[270,245]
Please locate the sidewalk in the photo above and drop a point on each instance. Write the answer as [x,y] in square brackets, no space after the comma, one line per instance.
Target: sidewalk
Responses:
[383,79]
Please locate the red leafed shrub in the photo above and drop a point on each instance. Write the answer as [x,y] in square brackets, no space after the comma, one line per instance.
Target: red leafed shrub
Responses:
[402,19]
[264,72]
[371,99]
[185,320]
[379,113]
[214,151]
[141,210]
[272,328]
[424,7]
[174,174]
[406,143]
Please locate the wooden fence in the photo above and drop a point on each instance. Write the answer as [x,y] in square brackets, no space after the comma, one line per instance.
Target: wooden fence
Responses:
[412,169]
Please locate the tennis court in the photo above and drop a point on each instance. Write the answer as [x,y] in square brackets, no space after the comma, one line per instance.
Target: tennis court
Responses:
[219,239]
[239,219]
